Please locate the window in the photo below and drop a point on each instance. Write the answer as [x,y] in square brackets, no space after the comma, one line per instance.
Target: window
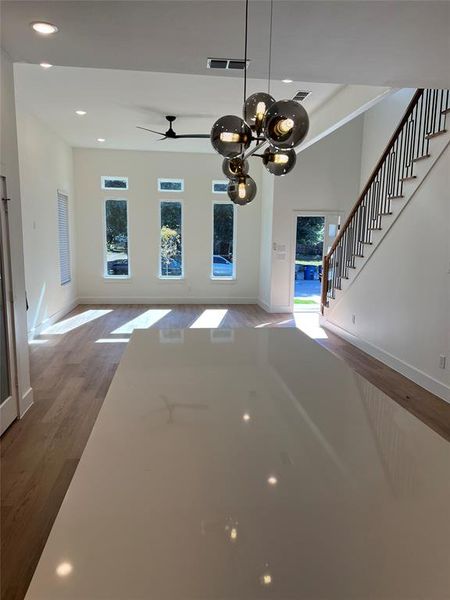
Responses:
[219,187]
[116,238]
[171,242]
[170,185]
[64,242]
[114,183]
[223,255]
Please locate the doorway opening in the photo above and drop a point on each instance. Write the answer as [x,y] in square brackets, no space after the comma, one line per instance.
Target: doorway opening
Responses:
[310,231]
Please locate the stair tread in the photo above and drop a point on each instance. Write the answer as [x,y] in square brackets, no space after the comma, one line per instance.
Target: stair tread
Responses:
[423,157]
[409,178]
[435,134]
[395,197]
[445,111]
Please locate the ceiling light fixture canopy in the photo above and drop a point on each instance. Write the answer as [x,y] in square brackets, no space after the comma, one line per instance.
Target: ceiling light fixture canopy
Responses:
[281,125]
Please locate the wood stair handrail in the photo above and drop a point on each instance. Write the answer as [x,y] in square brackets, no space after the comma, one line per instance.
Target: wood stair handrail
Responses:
[378,166]
[326,259]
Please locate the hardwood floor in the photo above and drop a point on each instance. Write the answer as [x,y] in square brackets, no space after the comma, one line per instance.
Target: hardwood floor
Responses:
[71,373]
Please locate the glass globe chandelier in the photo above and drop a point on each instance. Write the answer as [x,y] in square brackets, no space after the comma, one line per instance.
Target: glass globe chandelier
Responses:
[278,127]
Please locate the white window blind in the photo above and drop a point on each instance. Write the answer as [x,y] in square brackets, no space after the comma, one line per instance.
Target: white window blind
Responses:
[64,242]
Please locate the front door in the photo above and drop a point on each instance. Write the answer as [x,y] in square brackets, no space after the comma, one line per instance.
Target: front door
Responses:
[8,392]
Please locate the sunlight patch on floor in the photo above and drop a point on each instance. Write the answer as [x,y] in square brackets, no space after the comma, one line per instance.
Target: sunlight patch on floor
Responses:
[73,322]
[211,317]
[143,321]
[309,324]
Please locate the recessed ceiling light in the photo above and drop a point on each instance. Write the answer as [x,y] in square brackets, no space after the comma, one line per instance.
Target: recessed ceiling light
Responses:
[286,80]
[81,112]
[246,417]
[45,65]
[101,140]
[64,569]
[44,28]
[272,480]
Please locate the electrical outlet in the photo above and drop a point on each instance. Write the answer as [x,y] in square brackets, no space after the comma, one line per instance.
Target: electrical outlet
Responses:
[353,319]
[442,361]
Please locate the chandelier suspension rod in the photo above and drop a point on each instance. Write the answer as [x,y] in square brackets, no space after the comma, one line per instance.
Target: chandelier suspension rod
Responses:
[245,50]
[270,48]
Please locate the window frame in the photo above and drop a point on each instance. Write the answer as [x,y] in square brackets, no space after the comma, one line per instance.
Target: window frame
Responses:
[105,252]
[214,181]
[66,195]
[164,179]
[160,275]
[233,277]
[112,189]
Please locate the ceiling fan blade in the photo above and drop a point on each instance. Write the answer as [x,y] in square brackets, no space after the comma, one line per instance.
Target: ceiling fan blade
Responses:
[194,135]
[151,130]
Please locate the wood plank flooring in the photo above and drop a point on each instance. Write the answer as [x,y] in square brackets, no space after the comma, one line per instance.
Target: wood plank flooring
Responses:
[71,374]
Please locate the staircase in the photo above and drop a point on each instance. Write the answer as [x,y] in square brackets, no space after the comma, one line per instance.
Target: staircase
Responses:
[419,138]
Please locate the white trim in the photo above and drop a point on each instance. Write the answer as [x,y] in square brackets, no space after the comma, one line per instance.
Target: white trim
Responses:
[274,308]
[166,179]
[34,331]
[234,264]
[26,402]
[165,300]
[221,181]
[160,275]
[423,379]
[118,178]
[105,251]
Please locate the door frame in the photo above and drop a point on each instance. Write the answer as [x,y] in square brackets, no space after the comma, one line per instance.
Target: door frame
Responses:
[9,409]
[326,214]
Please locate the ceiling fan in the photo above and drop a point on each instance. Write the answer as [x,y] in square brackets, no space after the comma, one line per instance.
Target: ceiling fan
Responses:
[170,133]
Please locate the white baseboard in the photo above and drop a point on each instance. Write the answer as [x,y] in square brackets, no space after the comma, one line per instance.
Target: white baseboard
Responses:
[162,300]
[423,379]
[275,308]
[52,319]
[25,402]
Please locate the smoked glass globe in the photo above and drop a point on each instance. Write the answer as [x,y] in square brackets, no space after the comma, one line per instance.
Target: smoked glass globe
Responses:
[230,136]
[232,167]
[286,124]
[279,162]
[242,190]
[255,108]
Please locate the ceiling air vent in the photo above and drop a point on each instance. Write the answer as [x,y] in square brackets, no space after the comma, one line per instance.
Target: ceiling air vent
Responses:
[226,63]
[301,95]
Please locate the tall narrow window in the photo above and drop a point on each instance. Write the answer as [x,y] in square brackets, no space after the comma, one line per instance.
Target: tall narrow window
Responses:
[223,264]
[171,244]
[64,241]
[116,238]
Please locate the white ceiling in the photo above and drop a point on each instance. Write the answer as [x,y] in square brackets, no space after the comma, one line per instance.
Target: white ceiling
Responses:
[117,101]
[394,43]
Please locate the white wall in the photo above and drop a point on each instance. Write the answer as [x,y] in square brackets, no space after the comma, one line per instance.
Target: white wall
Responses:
[380,123]
[143,170]
[324,180]
[401,298]
[46,166]
[9,168]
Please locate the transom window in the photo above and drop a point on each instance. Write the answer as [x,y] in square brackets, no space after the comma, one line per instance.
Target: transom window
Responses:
[171,239]
[223,260]
[219,186]
[116,239]
[114,183]
[170,185]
